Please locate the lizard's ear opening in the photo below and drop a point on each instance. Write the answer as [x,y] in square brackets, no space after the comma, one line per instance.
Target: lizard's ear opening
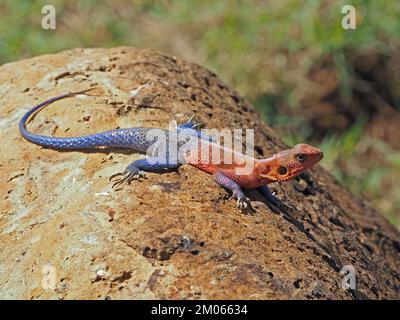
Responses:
[282,171]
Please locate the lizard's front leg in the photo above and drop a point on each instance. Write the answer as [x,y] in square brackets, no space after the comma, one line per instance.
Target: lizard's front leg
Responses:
[224,181]
[137,169]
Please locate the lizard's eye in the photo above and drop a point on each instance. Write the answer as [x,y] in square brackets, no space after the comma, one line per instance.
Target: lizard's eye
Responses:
[282,170]
[301,157]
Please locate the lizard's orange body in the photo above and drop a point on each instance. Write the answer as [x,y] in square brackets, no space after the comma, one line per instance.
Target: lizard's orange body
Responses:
[250,173]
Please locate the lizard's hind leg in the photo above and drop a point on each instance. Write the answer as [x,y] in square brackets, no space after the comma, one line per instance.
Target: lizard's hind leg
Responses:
[136,170]
[193,129]
[189,124]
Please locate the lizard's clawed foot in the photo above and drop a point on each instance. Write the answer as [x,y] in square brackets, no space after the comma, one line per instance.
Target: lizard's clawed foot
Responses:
[192,125]
[126,177]
[242,201]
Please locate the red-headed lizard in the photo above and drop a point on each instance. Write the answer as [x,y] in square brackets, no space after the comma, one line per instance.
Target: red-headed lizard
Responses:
[232,170]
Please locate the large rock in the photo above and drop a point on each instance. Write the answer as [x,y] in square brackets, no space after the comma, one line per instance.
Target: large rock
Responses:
[173,235]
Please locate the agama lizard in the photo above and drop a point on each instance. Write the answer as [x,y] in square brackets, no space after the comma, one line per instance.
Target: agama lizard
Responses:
[282,166]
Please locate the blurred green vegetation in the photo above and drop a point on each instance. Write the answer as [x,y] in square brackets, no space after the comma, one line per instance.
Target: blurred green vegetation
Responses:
[264,49]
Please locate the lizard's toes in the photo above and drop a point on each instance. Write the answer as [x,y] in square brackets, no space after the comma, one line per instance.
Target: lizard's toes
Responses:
[191,124]
[191,118]
[197,125]
[127,177]
[121,177]
[243,203]
[139,176]
[117,175]
[118,182]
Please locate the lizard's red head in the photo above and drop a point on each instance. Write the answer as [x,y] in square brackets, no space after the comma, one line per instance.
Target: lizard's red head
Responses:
[287,164]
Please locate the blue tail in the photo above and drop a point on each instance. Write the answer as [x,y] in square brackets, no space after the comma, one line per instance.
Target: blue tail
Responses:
[132,138]
[22,124]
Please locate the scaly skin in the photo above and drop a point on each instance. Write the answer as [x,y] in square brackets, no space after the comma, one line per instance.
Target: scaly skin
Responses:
[282,166]
[232,170]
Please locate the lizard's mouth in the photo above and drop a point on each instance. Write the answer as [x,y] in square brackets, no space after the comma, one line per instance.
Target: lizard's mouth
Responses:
[319,156]
[313,159]
[296,170]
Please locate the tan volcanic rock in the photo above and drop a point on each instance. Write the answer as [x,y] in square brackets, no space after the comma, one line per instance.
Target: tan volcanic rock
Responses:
[65,234]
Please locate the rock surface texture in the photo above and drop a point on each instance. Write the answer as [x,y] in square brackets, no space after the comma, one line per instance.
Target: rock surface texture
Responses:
[64,234]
